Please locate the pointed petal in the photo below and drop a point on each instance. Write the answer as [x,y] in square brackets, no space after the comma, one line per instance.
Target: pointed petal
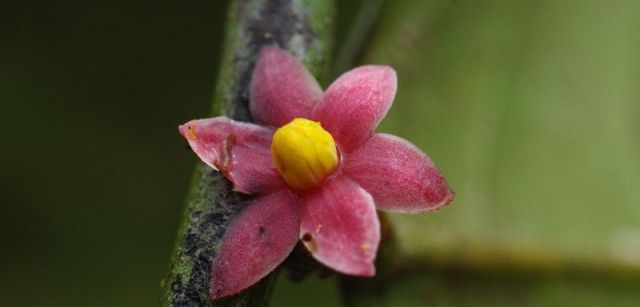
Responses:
[399,175]
[339,226]
[355,103]
[256,242]
[281,88]
[241,151]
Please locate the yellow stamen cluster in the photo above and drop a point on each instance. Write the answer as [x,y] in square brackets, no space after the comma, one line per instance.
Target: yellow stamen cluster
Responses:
[304,153]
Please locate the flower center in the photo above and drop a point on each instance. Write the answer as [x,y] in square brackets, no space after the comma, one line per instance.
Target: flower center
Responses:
[304,153]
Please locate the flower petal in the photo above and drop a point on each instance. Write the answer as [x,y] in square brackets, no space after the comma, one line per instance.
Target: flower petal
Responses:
[353,106]
[241,151]
[339,226]
[281,88]
[399,175]
[256,242]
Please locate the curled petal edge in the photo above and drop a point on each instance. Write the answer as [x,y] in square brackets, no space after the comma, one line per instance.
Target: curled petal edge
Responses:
[241,151]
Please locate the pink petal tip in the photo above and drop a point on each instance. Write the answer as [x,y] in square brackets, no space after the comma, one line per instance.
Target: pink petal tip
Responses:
[400,176]
[340,227]
[255,243]
[355,103]
[281,88]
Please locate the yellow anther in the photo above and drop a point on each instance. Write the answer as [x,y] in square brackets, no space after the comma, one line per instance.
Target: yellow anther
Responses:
[304,153]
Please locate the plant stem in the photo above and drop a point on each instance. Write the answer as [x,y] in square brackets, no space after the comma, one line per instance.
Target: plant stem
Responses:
[305,29]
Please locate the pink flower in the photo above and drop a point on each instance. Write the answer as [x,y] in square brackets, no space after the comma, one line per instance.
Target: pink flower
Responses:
[320,186]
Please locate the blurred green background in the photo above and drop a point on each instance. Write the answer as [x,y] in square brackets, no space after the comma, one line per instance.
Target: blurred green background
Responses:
[530,108]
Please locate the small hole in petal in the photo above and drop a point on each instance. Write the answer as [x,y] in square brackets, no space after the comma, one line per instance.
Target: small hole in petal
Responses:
[308,242]
[261,230]
[306,237]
